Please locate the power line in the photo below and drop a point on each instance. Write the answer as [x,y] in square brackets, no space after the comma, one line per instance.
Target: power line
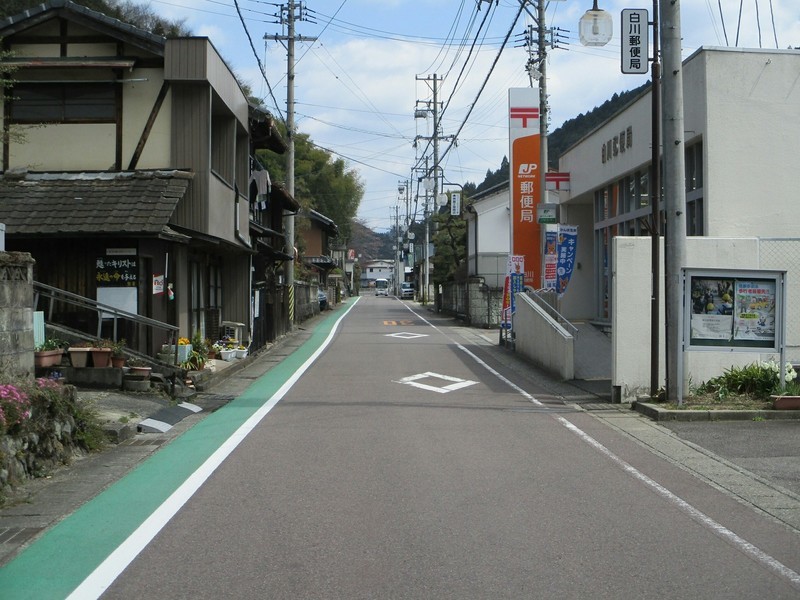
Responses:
[258,60]
[485,81]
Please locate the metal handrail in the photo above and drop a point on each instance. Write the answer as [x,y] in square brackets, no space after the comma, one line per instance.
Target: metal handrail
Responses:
[103,310]
[548,308]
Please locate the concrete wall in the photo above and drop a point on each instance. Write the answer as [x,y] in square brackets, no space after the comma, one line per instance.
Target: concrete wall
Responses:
[16,313]
[753,123]
[479,303]
[631,337]
[542,341]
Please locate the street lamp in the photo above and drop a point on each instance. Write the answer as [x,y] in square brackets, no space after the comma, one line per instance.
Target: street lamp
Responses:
[595,30]
[595,27]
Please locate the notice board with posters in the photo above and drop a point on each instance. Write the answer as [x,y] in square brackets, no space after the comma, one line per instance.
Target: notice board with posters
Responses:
[117,280]
[734,310]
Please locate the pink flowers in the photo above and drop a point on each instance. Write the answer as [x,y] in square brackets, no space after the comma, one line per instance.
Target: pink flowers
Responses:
[15,406]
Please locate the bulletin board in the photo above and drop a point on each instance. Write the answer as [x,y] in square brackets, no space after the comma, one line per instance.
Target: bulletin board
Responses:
[734,310]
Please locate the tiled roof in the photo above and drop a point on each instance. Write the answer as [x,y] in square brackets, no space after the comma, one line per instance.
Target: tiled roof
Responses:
[99,203]
[96,20]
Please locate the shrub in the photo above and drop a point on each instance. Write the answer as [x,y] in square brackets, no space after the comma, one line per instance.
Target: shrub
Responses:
[199,345]
[195,362]
[759,380]
[15,407]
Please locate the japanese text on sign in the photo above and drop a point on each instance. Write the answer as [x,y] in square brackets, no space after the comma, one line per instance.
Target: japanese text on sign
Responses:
[634,40]
[116,272]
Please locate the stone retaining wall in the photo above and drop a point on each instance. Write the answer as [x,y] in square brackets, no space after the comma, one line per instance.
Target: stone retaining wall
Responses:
[45,443]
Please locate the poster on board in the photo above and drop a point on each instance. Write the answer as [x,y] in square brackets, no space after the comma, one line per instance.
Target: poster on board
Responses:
[738,310]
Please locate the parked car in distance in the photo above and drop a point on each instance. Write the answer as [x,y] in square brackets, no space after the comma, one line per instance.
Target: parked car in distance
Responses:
[381,287]
[407,290]
[322,297]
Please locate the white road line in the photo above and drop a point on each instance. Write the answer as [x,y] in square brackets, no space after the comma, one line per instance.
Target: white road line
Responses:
[743,545]
[105,574]
[718,529]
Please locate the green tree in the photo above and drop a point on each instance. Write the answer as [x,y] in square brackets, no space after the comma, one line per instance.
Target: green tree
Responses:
[450,240]
[321,182]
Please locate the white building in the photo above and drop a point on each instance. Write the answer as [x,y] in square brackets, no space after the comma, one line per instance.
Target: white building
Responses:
[488,235]
[742,123]
[376,269]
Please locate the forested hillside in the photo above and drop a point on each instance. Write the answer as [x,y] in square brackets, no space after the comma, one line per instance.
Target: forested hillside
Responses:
[565,136]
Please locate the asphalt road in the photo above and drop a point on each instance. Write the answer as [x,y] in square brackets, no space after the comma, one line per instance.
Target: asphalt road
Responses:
[402,460]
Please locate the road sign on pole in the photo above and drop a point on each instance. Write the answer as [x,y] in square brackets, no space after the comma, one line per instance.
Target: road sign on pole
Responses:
[634,41]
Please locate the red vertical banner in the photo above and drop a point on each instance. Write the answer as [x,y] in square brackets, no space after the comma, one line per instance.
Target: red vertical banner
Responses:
[523,129]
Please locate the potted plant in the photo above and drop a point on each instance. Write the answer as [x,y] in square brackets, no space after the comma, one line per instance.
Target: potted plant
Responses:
[138,368]
[211,349]
[241,351]
[118,354]
[48,353]
[79,353]
[787,398]
[228,352]
[184,349]
[195,362]
[199,346]
[101,353]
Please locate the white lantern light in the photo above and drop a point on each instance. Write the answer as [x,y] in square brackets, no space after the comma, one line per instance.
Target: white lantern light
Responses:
[441,199]
[596,27]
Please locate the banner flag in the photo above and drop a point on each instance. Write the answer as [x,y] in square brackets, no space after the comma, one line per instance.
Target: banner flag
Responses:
[514,284]
[567,244]
[550,259]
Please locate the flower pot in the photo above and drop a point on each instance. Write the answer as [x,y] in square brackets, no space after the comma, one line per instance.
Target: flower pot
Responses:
[786,402]
[101,357]
[184,352]
[118,361]
[241,353]
[47,358]
[141,372]
[228,355]
[79,357]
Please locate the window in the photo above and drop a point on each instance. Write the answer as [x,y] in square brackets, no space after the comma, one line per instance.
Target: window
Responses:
[644,189]
[63,103]
[694,190]
[694,167]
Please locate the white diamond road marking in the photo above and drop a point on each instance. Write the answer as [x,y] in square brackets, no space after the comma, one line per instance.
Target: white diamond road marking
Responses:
[404,335]
[456,385]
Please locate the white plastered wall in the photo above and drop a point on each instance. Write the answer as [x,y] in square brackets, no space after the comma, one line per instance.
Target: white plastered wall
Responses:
[631,281]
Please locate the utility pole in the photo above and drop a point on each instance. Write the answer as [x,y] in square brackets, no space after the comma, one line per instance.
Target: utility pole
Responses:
[397,248]
[288,18]
[537,72]
[655,201]
[432,189]
[674,192]
[543,113]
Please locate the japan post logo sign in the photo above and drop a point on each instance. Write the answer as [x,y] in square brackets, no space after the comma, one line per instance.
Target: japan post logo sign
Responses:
[524,174]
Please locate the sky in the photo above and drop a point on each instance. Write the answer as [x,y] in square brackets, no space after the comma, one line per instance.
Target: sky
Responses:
[372,62]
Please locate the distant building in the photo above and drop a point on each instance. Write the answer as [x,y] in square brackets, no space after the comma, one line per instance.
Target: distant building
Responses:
[376,269]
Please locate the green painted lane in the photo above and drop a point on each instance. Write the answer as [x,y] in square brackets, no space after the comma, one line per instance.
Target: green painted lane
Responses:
[55,564]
